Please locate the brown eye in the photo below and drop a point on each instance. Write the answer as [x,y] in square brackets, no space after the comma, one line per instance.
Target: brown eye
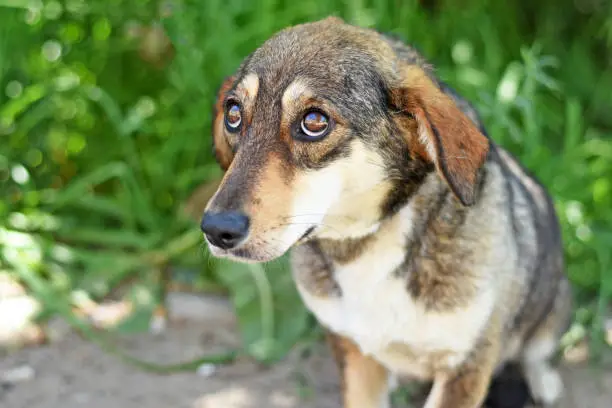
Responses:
[314,124]
[233,117]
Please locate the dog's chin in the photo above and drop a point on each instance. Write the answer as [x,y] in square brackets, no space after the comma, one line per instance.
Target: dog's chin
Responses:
[246,255]
[261,253]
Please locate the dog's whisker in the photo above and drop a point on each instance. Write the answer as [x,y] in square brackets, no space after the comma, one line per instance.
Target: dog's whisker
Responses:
[337,216]
[316,225]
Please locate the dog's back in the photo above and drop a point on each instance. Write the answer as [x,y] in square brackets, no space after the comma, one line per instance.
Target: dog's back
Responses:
[542,309]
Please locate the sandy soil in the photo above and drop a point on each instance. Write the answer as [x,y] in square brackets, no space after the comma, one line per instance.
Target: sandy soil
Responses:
[73,373]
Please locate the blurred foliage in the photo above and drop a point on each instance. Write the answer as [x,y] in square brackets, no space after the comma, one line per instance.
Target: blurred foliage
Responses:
[105,133]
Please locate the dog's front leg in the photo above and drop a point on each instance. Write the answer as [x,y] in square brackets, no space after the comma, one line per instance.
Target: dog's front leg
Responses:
[466,386]
[365,382]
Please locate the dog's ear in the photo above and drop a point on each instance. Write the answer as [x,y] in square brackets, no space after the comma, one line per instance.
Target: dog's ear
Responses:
[445,135]
[221,148]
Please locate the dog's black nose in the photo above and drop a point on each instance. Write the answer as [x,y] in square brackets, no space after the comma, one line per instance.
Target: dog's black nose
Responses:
[225,229]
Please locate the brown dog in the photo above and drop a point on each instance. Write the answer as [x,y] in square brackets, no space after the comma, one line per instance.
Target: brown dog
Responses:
[426,250]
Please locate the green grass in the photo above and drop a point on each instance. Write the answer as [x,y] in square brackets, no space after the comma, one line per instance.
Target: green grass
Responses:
[105,134]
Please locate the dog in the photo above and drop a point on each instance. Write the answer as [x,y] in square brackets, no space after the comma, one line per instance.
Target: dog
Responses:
[425,250]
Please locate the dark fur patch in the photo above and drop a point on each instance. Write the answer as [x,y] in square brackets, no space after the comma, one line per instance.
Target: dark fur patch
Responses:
[407,174]
[313,270]
[339,355]
[346,250]
[543,259]
[339,151]
[508,389]
[435,257]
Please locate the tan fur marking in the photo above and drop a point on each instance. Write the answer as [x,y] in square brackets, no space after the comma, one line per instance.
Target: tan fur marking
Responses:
[250,86]
[223,151]
[358,213]
[365,383]
[416,147]
[467,386]
[247,91]
[297,90]
[457,147]
[269,205]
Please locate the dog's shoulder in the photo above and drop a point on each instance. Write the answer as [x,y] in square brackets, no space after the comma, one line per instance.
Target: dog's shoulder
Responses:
[372,302]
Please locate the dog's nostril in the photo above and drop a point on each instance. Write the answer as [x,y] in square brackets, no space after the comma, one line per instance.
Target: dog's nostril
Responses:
[225,229]
[226,236]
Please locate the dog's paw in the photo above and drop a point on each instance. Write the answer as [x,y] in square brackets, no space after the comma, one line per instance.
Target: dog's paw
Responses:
[546,386]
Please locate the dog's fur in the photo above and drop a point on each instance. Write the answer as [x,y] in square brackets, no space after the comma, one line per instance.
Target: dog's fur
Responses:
[426,250]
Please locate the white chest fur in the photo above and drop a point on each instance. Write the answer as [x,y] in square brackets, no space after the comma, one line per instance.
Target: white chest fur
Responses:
[377,312]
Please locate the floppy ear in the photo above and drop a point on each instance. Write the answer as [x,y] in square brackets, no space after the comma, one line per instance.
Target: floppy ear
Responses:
[221,148]
[446,136]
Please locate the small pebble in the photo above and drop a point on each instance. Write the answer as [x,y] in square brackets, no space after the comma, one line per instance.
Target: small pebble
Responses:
[17,374]
[158,324]
[81,398]
[578,353]
[206,370]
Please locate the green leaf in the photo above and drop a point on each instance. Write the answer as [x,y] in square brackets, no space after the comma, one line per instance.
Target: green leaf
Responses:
[271,314]
[109,238]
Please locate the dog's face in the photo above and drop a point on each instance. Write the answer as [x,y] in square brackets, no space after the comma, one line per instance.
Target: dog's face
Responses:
[324,131]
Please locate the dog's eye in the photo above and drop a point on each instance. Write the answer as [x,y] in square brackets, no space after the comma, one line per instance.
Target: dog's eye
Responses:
[315,124]
[233,117]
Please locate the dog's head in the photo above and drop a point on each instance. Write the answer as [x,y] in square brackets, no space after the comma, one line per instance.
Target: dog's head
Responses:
[324,131]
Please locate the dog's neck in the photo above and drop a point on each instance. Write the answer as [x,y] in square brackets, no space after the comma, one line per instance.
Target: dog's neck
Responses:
[343,245]
[430,201]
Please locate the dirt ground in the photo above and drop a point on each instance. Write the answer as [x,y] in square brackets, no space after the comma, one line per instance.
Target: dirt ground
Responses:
[73,373]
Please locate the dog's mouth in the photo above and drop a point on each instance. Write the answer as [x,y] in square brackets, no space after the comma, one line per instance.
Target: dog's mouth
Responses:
[307,235]
[256,252]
